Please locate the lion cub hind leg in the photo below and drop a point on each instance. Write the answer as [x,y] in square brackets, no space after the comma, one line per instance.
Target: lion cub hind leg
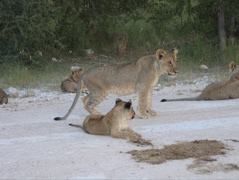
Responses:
[93,125]
[69,86]
[92,100]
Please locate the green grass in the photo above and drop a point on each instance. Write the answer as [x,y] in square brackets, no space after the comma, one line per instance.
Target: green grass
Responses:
[190,58]
[23,77]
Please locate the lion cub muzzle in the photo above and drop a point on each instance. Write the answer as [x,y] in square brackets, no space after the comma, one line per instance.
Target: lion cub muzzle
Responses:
[173,74]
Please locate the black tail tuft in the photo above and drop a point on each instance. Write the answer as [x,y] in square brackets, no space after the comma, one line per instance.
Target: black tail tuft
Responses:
[57,118]
[163,100]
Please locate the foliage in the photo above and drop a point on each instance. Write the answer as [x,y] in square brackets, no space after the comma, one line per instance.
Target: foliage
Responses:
[27,25]
[55,27]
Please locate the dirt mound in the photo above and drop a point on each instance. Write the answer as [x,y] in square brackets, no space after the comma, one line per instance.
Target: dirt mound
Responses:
[184,150]
[202,150]
[142,142]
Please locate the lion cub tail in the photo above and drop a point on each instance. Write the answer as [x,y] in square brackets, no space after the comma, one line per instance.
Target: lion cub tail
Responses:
[79,86]
[182,99]
[75,125]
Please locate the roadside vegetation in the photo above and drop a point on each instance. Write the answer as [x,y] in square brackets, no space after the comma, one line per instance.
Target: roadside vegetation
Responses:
[41,40]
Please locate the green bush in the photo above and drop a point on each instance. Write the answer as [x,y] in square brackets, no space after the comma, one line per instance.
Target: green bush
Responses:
[54,28]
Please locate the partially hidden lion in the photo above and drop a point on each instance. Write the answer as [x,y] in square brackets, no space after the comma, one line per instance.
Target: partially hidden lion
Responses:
[114,123]
[124,79]
[70,84]
[115,42]
[3,97]
[121,40]
[215,91]
[234,68]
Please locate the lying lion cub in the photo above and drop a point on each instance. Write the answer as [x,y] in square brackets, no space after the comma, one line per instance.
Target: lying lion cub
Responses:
[3,97]
[215,91]
[234,68]
[70,84]
[114,123]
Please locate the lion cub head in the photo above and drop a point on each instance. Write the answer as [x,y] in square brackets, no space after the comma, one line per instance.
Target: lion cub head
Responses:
[75,75]
[70,84]
[168,60]
[125,108]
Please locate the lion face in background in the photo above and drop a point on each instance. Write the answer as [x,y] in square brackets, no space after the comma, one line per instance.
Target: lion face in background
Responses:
[232,65]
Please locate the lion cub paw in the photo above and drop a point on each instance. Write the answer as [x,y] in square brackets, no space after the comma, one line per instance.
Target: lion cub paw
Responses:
[137,134]
[145,116]
[134,138]
[152,112]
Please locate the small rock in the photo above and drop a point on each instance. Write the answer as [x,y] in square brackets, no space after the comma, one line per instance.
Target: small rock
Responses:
[89,52]
[75,68]
[54,59]
[13,92]
[203,67]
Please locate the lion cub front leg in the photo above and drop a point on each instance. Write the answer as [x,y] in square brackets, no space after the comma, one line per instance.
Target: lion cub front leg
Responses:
[129,129]
[149,103]
[143,104]
[124,135]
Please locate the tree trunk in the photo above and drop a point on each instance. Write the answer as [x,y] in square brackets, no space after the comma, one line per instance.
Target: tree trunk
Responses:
[221,26]
[232,29]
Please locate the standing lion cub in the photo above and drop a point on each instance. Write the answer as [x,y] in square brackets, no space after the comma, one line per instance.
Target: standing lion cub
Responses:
[114,123]
[137,77]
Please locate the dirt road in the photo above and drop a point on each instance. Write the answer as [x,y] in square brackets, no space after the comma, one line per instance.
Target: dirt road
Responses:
[34,146]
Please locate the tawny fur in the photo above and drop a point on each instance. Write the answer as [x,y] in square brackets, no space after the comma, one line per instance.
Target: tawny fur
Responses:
[234,68]
[3,97]
[215,91]
[70,84]
[116,42]
[114,123]
[140,77]
[121,45]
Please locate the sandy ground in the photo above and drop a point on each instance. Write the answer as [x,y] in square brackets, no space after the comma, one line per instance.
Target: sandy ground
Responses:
[34,146]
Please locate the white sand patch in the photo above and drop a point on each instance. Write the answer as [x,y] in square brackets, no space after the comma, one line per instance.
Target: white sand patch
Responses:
[34,146]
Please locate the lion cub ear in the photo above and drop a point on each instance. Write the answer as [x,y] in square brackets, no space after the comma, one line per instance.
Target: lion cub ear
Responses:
[72,72]
[174,51]
[160,54]
[128,105]
[118,100]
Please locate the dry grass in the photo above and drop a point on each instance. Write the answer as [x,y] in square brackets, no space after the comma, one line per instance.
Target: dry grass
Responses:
[52,75]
